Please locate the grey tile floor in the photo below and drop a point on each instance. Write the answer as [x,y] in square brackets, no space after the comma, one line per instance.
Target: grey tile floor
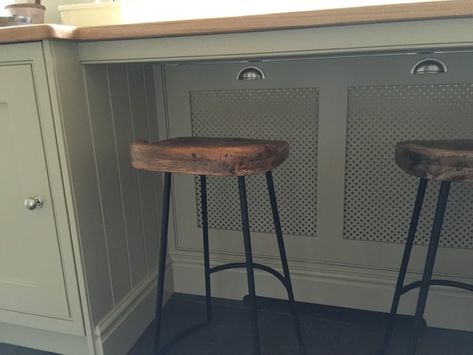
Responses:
[326,330]
[6,349]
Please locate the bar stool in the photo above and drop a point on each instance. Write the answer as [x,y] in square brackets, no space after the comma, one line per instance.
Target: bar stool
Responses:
[219,157]
[445,161]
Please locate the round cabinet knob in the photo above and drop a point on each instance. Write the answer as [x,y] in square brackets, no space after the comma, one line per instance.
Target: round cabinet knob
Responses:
[33,203]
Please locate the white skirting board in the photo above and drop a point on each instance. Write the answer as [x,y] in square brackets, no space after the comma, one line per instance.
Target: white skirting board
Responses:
[116,333]
[330,285]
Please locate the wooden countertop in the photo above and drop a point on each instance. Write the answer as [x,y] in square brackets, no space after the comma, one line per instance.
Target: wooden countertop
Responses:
[444,9]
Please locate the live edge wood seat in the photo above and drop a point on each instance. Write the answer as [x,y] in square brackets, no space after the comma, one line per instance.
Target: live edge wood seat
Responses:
[442,160]
[209,156]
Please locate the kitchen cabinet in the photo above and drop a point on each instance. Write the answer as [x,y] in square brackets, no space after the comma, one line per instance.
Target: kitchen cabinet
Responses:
[78,269]
[38,278]
[342,95]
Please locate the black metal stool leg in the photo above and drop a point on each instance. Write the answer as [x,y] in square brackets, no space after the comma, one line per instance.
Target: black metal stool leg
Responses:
[205,237]
[405,259]
[249,264]
[285,266]
[429,264]
[162,255]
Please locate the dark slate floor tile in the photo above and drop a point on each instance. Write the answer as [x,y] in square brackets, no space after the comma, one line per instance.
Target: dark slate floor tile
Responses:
[6,349]
[326,331]
[228,330]
[442,341]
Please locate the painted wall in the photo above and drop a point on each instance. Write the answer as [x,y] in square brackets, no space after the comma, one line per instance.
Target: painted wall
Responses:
[153,10]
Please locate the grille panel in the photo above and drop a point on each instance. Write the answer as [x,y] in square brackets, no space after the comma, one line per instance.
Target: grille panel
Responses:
[379,197]
[286,114]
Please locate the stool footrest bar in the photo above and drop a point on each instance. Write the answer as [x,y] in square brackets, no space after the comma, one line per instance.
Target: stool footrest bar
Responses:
[448,283]
[268,269]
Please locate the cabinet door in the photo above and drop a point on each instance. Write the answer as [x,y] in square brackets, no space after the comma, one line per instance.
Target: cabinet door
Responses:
[31,274]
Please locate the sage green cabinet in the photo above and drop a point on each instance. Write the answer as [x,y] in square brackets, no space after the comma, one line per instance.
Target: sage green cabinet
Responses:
[38,280]
[31,271]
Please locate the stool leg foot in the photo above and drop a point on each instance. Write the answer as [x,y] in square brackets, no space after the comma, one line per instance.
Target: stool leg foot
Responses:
[249,264]
[429,264]
[162,255]
[205,237]
[405,259]
[285,266]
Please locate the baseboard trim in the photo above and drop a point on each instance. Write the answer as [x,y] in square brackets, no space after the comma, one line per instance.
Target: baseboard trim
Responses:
[121,328]
[359,288]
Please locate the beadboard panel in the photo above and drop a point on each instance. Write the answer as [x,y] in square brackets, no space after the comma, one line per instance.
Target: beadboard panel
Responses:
[122,107]
[151,241]
[140,119]
[109,184]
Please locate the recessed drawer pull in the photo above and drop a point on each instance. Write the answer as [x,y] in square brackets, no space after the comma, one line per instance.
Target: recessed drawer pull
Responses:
[429,66]
[251,73]
[33,203]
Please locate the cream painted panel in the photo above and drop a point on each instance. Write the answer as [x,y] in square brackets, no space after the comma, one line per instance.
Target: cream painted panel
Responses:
[121,104]
[333,77]
[123,126]
[180,81]
[151,241]
[139,117]
[31,273]
[108,177]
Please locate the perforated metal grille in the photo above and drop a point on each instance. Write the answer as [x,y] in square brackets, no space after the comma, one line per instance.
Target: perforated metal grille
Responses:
[286,114]
[379,197]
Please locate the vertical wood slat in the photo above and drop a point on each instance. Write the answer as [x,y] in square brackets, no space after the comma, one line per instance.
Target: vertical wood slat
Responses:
[160,105]
[80,154]
[107,172]
[87,200]
[121,107]
[139,110]
[151,241]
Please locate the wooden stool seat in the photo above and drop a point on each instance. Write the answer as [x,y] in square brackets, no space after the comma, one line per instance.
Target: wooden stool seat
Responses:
[443,160]
[209,156]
